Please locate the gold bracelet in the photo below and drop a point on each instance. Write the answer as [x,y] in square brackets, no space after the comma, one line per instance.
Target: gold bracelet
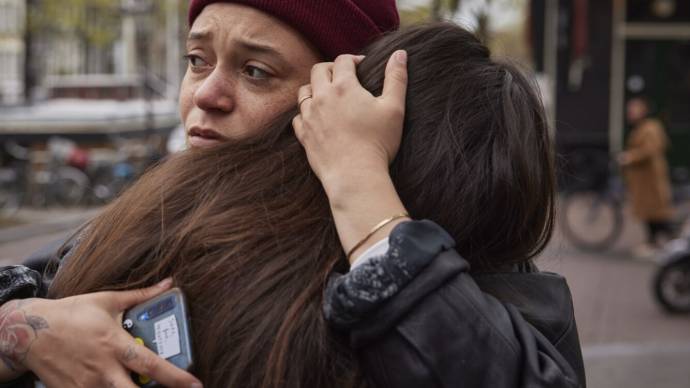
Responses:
[375,229]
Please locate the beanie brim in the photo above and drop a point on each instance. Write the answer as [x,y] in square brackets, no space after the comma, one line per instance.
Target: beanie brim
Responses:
[334,27]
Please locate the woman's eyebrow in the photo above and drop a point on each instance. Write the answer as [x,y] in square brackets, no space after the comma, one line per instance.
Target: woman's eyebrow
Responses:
[242,43]
[262,48]
[198,35]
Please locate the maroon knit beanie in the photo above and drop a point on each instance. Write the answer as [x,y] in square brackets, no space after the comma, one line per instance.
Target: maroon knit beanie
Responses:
[333,26]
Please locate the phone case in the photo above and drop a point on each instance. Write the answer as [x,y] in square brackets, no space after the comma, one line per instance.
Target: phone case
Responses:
[162,325]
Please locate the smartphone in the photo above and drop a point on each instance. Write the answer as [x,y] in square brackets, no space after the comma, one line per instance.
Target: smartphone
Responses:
[162,325]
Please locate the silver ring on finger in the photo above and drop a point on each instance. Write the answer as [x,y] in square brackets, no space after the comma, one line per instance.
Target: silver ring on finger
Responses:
[302,100]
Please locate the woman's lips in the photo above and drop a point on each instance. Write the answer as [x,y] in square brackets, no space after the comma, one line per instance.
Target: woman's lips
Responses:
[202,137]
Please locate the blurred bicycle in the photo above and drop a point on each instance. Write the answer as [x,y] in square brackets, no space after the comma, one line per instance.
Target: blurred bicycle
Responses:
[113,171]
[591,211]
[671,284]
[58,182]
[13,175]
[9,196]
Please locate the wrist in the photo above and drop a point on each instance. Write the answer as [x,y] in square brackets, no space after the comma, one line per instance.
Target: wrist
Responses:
[20,327]
[359,208]
[346,188]
[382,233]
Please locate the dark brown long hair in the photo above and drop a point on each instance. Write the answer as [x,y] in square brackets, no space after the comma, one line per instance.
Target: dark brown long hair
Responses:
[246,231]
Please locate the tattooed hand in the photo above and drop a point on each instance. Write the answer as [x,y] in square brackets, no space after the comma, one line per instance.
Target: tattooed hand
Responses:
[79,342]
[18,331]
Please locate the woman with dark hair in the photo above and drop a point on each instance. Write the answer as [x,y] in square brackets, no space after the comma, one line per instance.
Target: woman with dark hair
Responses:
[253,231]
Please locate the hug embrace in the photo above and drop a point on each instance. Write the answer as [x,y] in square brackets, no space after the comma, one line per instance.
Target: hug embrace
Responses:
[359,206]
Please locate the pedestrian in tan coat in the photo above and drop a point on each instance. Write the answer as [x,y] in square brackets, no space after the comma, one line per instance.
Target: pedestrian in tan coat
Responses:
[646,173]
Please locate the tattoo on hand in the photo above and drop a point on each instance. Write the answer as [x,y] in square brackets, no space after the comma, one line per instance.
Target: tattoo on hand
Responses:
[18,331]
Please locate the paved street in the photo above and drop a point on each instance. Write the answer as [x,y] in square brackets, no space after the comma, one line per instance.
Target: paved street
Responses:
[13,252]
[628,342]
[35,228]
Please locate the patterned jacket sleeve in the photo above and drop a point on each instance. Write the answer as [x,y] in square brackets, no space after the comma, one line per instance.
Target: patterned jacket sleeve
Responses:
[20,282]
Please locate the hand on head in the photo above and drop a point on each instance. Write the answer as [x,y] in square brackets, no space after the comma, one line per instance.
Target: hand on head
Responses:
[345,130]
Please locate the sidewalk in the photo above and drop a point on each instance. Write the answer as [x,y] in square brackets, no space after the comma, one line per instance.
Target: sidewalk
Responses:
[30,229]
[35,222]
[627,340]
[658,365]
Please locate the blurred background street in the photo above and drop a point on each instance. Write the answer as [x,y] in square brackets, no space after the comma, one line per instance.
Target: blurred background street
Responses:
[627,339]
[88,101]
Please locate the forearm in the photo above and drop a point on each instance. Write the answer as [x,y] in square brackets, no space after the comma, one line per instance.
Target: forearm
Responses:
[358,207]
[20,284]
[18,331]
[649,145]
[637,155]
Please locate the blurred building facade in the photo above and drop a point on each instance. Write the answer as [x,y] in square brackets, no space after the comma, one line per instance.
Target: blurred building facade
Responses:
[64,61]
[12,18]
[600,53]
[49,47]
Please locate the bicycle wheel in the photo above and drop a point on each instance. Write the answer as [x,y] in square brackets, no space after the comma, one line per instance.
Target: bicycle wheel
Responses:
[590,221]
[672,287]
[9,193]
[9,200]
[70,185]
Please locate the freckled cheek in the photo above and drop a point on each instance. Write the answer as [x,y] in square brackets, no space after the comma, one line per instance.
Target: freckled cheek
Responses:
[185,105]
[186,98]
[270,109]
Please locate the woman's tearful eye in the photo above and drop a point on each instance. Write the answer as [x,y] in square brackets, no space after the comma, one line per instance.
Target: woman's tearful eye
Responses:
[256,72]
[195,61]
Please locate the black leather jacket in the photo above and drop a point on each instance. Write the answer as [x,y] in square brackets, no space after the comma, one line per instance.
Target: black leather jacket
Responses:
[416,317]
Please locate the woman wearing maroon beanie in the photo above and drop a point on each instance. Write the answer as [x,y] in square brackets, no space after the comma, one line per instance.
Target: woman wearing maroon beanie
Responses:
[411,312]
[248,58]
[262,52]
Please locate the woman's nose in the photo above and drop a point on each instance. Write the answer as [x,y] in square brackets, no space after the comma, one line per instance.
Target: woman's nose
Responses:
[215,93]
